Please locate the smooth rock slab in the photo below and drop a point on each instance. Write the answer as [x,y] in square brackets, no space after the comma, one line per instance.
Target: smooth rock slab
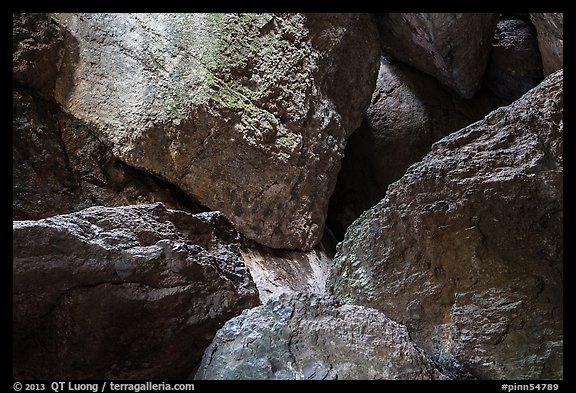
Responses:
[133,292]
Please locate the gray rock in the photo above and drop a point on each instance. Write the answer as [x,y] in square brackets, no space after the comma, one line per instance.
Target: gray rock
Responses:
[550,27]
[248,113]
[134,292]
[466,248]
[515,65]
[284,271]
[409,111]
[452,47]
[311,337]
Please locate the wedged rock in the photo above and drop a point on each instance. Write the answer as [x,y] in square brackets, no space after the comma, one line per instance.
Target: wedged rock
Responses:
[550,27]
[466,249]
[515,65]
[409,111]
[133,292]
[247,113]
[287,271]
[452,47]
[314,338]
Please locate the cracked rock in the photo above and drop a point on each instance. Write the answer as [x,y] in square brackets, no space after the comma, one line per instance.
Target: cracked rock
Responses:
[134,292]
[312,337]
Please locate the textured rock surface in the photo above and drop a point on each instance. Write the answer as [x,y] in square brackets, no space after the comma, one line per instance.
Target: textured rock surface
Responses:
[59,164]
[515,64]
[281,271]
[309,337]
[550,27]
[409,111]
[466,248]
[132,292]
[452,47]
[36,51]
[248,113]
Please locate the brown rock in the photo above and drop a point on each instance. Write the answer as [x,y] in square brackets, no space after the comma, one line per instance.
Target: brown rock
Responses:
[550,27]
[466,248]
[452,47]
[314,338]
[515,65]
[248,113]
[409,111]
[36,50]
[133,292]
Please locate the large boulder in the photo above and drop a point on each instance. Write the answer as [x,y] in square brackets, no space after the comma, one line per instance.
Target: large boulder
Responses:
[452,47]
[550,27]
[515,64]
[314,338]
[248,113]
[409,111]
[59,163]
[134,292]
[466,249]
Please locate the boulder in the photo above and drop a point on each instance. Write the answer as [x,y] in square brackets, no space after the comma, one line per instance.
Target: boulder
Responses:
[313,338]
[550,27]
[409,111]
[452,47]
[515,65]
[466,249]
[134,292]
[247,113]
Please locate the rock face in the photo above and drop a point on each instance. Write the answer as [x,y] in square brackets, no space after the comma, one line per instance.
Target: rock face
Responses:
[281,271]
[409,111]
[550,27]
[466,248]
[254,127]
[309,337]
[515,65]
[452,47]
[132,292]
[59,164]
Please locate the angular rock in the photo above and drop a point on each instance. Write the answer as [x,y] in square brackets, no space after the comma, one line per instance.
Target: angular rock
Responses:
[515,65]
[282,271]
[452,47]
[314,338]
[409,111]
[248,113]
[133,292]
[550,27]
[466,249]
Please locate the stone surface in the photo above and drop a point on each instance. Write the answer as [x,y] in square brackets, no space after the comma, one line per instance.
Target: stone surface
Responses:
[515,65]
[283,271]
[466,249]
[310,337]
[133,292]
[409,111]
[36,50]
[452,47]
[248,113]
[550,27]
[59,164]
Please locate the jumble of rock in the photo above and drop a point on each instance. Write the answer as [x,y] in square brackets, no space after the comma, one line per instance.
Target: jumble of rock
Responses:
[181,183]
